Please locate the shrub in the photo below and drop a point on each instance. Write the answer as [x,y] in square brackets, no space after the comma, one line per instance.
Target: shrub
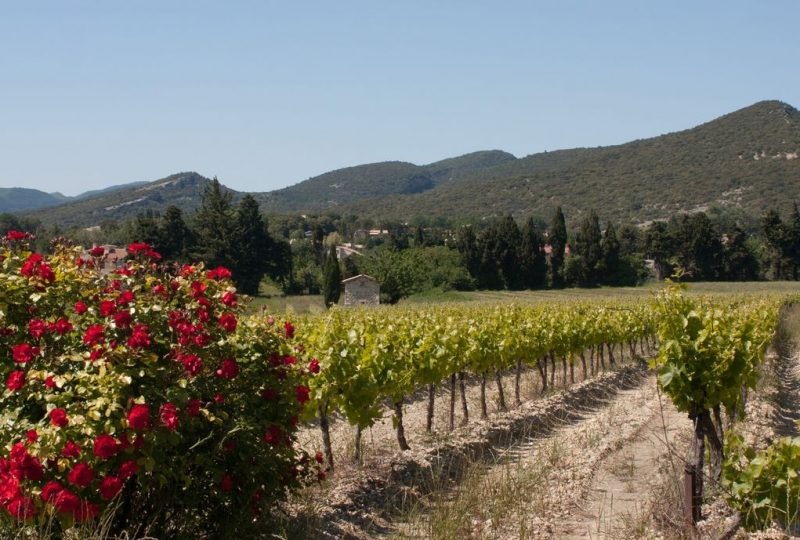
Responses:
[141,392]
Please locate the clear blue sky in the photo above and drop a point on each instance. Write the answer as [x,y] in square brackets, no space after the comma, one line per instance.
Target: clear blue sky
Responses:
[266,94]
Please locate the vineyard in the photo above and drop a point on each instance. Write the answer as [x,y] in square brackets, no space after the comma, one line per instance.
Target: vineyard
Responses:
[151,383]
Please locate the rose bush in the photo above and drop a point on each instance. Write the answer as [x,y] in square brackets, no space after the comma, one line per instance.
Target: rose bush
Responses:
[142,393]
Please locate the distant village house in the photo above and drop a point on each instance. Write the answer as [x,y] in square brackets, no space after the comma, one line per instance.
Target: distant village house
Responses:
[361,290]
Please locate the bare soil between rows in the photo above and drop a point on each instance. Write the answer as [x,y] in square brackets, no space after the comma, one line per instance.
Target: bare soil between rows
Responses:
[363,502]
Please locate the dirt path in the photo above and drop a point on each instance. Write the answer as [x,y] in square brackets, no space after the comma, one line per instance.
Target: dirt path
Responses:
[624,483]
[583,480]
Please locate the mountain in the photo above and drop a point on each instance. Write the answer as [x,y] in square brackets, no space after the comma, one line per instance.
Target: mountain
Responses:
[746,161]
[96,192]
[374,180]
[17,199]
[127,201]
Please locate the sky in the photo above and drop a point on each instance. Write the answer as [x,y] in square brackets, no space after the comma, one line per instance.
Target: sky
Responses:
[266,94]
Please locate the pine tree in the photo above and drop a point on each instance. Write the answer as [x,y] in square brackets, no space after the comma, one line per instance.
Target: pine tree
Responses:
[533,263]
[558,242]
[251,247]
[176,237]
[214,224]
[332,279]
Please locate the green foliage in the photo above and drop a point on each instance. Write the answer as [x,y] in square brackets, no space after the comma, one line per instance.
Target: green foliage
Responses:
[149,384]
[557,238]
[332,278]
[709,351]
[764,486]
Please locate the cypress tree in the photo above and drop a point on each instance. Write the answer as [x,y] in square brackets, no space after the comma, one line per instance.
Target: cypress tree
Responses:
[587,245]
[609,267]
[558,242]
[533,264]
[332,278]
[509,239]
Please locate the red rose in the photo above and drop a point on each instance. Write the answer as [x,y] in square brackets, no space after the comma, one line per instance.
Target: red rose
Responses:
[86,511]
[107,308]
[198,288]
[94,335]
[193,407]
[80,307]
[169,416]
[219,273]
[139,417]
[140,339]
[31,436]
[219,399]
[105,446]
[273,435]
[58,418]
[62,326]
[36,328]
[109,487]
[123,319]
[23,353]
[71,450]
[226,484]
[49,382]
[192,364]
[66,501]
[228,321]
[288,329]
[318,457]
[15,235]
[229,369]
[15,381]
[81,475]
[302,394]
[21,508]
[125,298]
[97,251]
[146,250]
[50,490]
[313,366]
[128,469]
[229,299]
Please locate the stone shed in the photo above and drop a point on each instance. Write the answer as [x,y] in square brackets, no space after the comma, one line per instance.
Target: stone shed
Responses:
[361,290]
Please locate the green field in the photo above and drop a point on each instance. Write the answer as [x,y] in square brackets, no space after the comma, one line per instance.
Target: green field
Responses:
[273,302]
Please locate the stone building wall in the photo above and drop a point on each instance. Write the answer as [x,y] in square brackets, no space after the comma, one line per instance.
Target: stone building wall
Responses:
[361,292]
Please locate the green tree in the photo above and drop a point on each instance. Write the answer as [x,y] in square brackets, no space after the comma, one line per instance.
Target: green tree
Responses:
[467,245]
[175,236]
[533,264]
[609,267]
[557,238]
[252,247]
[332,278]
[658,246]
[740,262]
[587,245]
[507,243]
[214,226]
